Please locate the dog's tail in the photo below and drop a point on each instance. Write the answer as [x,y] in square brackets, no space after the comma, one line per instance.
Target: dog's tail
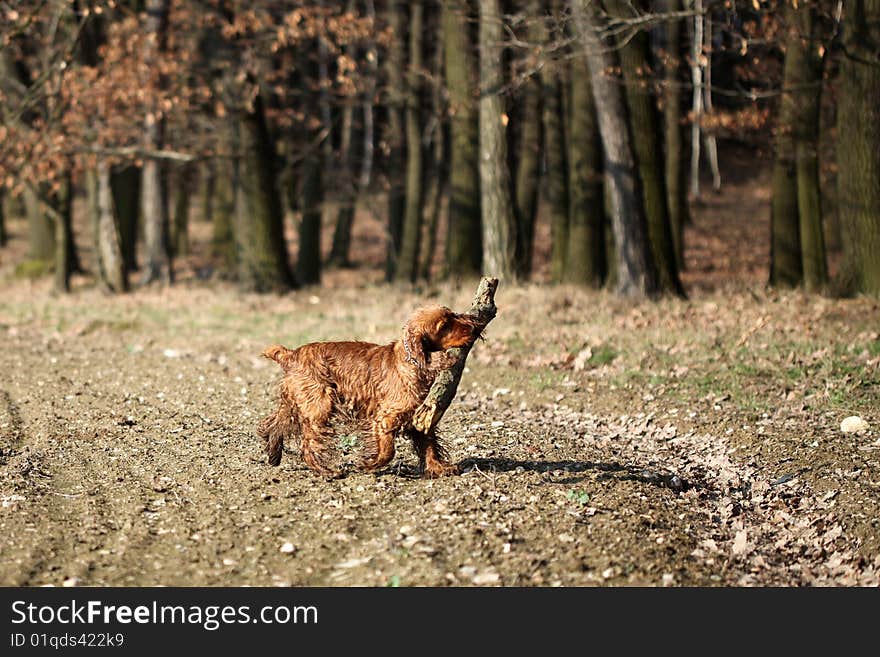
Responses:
[281,355]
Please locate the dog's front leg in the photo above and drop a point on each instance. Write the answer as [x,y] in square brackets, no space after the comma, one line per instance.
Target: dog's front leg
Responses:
[432,457]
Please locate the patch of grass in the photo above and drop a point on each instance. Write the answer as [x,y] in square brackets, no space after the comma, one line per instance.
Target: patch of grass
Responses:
[579,496]
[348,442]
[796,373]
[393,582]
[543,381]
[602,355]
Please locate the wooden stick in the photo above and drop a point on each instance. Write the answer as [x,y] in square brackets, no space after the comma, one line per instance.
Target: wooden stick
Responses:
[441,394]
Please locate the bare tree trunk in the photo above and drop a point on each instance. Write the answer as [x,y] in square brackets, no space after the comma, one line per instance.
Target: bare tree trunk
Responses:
[126,185]
[438,174]
[154,211]
[439,179]
[369,93]
[341,244]
[65,253]
[528,161]
[676,173]
[182,185]
[208,188]
[259,222]
[635,273]
[464,239]
[41,233]
[711,145]
[555,117]
[646,131]
[796,222]
[226,172]
[697,107]
[585,254]
[785,241]
[110,264]
[499,224]
[395,135]
[308,261]
[408,262]
[340,247]
[807,83]
[858,148]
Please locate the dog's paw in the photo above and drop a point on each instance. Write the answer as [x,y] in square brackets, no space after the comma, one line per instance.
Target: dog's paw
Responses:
[442,470]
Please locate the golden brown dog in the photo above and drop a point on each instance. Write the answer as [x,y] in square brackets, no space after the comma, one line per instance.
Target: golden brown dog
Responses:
[378,385]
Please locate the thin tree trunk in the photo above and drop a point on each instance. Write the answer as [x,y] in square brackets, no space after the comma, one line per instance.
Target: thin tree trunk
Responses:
[408,261]
[324,98]
[697,106]
[126,183]
[635,272]
[807,88]
[369,93]
[208,189]
[438,174]
[709,137]
[110,264]
[259,221]
[464,237]
[224,204]
[674,131]
[65,251]
[499,223]
[308,263]
[646,130]
[786,265]
[786,269]
[555,117]
[340,248]
[180,235]
[154,211]
[41,232]
[528,162]
[439,179]
[585,256]
[341,244]
[395,135]
[858,148]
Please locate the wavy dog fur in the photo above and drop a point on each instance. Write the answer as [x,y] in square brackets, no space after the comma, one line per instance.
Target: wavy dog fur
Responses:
[380,385]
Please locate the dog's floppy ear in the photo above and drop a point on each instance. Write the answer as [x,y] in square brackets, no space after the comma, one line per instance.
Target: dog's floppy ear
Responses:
[413,332]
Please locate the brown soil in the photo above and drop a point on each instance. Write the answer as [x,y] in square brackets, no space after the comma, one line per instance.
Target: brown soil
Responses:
[676,443]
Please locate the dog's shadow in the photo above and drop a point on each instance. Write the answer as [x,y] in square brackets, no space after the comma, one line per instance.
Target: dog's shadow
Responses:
[610,470]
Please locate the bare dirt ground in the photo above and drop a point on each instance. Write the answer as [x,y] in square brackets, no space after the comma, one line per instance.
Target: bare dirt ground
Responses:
[685,442]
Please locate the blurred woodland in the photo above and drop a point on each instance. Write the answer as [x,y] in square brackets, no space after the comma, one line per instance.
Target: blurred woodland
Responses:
[458,126]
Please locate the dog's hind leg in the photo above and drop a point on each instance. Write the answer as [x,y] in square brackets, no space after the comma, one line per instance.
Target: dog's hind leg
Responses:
[317,435]
[380,445]
[273,430]
[317,451]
